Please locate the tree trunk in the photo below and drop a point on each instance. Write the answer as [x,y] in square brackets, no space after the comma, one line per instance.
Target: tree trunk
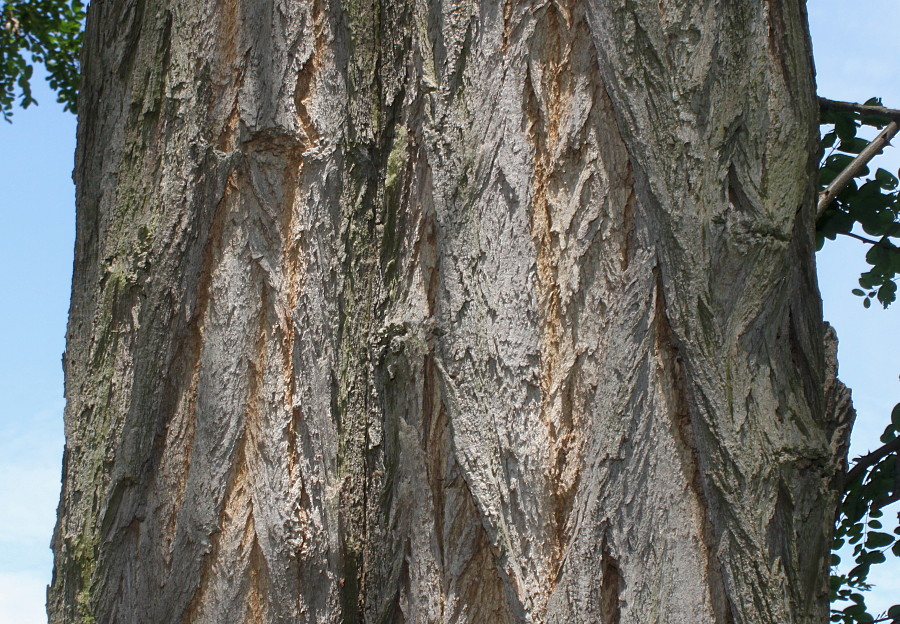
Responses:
[446,311]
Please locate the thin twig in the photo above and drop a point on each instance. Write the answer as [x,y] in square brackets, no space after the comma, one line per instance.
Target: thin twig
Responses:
[862,464]
[852,170]
[851,107]
[870,241]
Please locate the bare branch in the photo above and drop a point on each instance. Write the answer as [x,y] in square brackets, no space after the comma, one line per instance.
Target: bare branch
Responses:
[851,107]
[870,241]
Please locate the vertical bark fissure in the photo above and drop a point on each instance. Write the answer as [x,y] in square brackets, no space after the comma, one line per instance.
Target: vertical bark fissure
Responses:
[197,602]
[211,251]
[236,495]
[611,581]
[684,429]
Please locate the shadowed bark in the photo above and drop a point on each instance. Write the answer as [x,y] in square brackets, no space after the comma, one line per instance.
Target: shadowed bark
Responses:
[446,311]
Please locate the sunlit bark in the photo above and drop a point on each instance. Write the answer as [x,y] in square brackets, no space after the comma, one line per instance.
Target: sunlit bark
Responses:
[446,311]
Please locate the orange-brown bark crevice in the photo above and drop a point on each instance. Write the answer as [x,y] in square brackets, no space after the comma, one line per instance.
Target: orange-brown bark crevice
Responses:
[549,88]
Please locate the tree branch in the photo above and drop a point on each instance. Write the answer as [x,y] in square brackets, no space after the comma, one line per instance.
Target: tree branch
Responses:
[862,464]
[851,107]
[852,170]
[870,241]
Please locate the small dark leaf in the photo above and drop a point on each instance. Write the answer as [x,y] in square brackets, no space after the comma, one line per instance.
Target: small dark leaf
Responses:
[887,294]
[887,179]
[878,255]
[868,280]
[853,146]
[838,162]
[877,539]
[827,175]
[845,126]
[860,572]
[858,612]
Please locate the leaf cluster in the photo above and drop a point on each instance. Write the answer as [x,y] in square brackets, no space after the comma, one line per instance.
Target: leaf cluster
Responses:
[40,31]
[871,202]
[873,483]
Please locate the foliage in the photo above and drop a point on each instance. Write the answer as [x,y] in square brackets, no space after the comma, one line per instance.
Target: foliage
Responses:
[39,31]
[873,204]
[873,481]
[872,484]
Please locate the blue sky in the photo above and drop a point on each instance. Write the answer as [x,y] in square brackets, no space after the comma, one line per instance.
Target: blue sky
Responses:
[857,49]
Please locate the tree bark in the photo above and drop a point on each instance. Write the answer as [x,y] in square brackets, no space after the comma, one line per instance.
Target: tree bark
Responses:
[446,311]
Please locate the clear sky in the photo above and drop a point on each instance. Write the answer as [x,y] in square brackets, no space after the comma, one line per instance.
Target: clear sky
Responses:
[857,50]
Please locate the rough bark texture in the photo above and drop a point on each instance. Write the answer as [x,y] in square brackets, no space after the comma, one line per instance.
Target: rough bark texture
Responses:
[446,311]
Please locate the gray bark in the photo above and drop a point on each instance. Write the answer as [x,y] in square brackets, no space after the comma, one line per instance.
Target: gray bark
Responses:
[446,311]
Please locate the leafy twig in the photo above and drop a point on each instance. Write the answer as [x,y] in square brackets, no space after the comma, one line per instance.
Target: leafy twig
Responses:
[852,170]
[862,464]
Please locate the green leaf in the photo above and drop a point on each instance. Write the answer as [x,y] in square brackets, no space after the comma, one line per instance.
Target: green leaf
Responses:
[895,416]
[854,145]
[868,280]
[877,539]
[845,126]
[860,572]
[858,292]
[887,294]
[826,176]
[887,179]
[838,162]
[858,612]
